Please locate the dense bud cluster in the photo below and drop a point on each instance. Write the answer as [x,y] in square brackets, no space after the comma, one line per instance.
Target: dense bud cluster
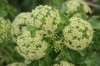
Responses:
[78,34]
[31,48]
[35,31]
[4,30]
[29,30]
[19,24]
[46,18]
[75,5]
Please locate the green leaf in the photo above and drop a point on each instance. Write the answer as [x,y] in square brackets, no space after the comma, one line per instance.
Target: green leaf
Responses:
[64,8]
[3,13]
[95,44]
[2,61]
[46,61]
[82,52]
[92,60]
[75,57]
[61,56]
[64,21]
[95,22]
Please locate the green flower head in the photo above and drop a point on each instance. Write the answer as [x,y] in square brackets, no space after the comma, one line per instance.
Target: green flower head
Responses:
[78,34]
[28,30]
[75,5]
[64,63]
[4,29]
[18,25]
[46,18]
[16,64]
[42,18]
[31,48]
[58,45]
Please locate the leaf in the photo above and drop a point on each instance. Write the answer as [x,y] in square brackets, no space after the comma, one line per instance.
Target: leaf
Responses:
[61,56]
[82,52]
[46,61]
[95,44]
[75,57]
[64,21]
[95,22]
[2,61]
[92,60]
[3,13]
[64,8]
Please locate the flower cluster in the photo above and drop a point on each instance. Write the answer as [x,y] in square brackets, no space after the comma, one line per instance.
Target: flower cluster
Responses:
[4,30]
[46,18]
[18,24]
[16,64]
[58,45]
[75,5]
[64,63]
[30,29]
[31,48]
[37,31]
[78,34]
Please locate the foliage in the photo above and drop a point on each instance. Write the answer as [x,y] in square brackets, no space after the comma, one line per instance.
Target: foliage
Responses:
[48,35]
[6,10]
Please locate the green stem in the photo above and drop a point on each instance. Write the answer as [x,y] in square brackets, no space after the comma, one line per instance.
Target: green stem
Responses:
[8,55]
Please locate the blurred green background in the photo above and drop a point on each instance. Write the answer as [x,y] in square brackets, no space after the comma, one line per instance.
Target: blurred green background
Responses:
[10,8]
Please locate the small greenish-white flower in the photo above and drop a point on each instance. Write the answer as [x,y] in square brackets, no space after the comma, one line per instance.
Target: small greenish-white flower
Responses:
[58,45]
[31,48]
[75,5]
[16,64]
[41,18]
[78,34]
[64,63]
[19,24]
[29,29]
[46,18]
[4,30]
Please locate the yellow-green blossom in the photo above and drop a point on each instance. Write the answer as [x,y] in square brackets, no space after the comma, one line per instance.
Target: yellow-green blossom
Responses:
[75,5]
[78,34]
[16,64]
[41,18]
[18,24]
[64,63]
[4,29]
[31,48]
[28,30]
[46,18]
[57,45]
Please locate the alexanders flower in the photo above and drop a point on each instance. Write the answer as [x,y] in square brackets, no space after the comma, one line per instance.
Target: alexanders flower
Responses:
[31,48]
[46,18]
[78,34]
[5,26]
[41,18]
[75,5]
[30,29]
[19,24]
